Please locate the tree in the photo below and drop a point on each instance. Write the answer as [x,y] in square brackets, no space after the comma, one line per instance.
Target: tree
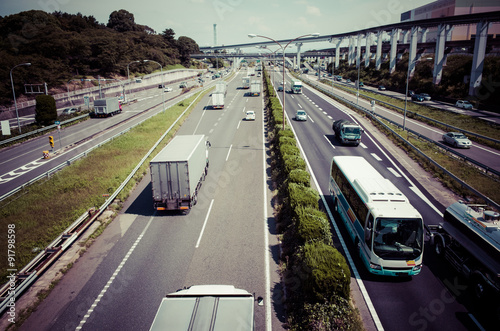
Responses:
[45,110]
[186,47]
[121,21]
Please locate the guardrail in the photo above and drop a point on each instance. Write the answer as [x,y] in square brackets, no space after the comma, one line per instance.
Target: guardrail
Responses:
[24,278]
[376,117]
[416,115]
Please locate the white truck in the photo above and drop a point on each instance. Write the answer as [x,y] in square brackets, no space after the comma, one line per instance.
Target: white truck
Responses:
[106,107]
[206,307]
[251,71]
[347,132]
[217,100]
[469,239]
[296,86]
[255,88]
[177,172]
[245,83]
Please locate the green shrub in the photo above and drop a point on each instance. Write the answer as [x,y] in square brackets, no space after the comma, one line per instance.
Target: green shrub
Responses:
[328,275]
[286,133]
[284,140]
[45,110]
[301,196]
[292,162]
[288,149]
[299,176]
[312,225]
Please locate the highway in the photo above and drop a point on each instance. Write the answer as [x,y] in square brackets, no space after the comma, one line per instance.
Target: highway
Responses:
[143,255]
[436,299]
[229,236]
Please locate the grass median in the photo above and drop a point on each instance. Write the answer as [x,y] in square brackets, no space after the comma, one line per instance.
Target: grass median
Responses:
[45,209]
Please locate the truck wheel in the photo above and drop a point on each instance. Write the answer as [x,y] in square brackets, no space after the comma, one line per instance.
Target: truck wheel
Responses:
[479,288]
[439,246]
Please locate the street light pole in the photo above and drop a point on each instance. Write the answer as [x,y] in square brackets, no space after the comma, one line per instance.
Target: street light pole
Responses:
[14,93]
[251,35]
[128,77]
[407,81]
[162,83]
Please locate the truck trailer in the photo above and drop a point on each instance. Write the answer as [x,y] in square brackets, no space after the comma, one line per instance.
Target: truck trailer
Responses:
[245,83]
[221,87]
[106,107]
[255,88]
[206,307]
[177,172]
[347,132]
[217,100]
[469,239]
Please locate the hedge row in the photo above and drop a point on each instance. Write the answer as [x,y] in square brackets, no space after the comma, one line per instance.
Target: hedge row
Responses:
[316,275]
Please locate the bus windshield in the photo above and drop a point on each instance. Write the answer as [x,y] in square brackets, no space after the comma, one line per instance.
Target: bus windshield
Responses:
[398,239]
[351,130]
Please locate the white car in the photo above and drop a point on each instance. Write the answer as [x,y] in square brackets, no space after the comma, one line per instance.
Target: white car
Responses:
[250,116]
[69,111]
[167,89]
[464,104]
[426,96]
[301,115]
[457,139]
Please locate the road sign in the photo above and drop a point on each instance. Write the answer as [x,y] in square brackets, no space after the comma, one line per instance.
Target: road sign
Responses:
[86,100]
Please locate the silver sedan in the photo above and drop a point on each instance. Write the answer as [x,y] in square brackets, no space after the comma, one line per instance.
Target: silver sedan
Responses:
[457,139]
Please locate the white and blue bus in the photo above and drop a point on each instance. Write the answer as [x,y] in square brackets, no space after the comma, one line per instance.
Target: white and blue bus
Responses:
[387,230]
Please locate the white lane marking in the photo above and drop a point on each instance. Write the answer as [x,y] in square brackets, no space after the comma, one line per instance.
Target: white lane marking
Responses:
[204,224]
[110,281]
[330,117]
[376,157]
[299,105]
[394,172]
[229,152]
[363,145]
[267,250]
[329,142]
[310,118]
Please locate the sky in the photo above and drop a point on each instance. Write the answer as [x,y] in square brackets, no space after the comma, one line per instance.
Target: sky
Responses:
[235,19]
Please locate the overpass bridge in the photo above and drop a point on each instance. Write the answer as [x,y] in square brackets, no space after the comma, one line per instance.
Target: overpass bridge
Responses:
[410,36]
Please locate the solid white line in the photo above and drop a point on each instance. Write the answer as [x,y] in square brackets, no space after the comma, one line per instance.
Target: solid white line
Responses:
[229,152]
[204,224]
[267,250]
[110,281]
[329,142]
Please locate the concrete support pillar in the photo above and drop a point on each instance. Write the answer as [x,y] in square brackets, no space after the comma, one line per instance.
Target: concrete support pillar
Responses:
[368,53]
[413,50]
[394,50]
[424,35]
[299,45]
[358,51]
[350,51]
[337,54]
[378,56]
[439,58]
[405,36]
[476,74]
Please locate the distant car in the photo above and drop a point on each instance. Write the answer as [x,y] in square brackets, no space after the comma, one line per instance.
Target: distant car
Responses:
[69,111]
[167,89]
[381,88]
[183,85]
[280,88]
[411,93]
[250,116]
[426,96]
[417,97]
[457,139]
[347,80]
[361,84]
[464,104]
[301,115]
[160,86]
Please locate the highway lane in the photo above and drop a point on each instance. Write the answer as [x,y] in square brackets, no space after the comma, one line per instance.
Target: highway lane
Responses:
[409,304]
[151,254]
[483,154]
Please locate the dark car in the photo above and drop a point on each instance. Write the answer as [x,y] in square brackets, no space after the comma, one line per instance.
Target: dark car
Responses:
[417,97]
[347,80]
[411,93]
[381,88]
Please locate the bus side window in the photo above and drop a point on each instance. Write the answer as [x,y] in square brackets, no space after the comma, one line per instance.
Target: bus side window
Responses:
[369,230]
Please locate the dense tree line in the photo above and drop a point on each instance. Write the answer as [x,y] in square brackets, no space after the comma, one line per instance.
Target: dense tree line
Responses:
[63,46]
